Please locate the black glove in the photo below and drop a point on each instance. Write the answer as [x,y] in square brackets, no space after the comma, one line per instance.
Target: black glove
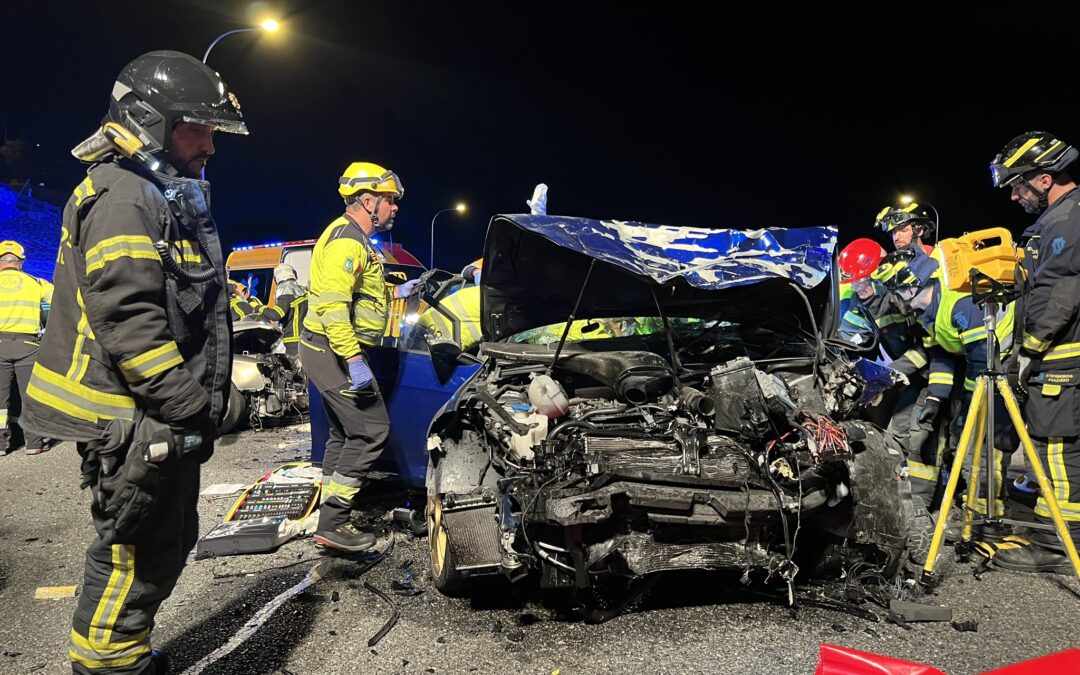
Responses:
[928,411]
[127,482]
[195,434]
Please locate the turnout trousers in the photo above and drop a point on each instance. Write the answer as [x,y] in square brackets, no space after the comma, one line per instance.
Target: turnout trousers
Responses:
[126,579]
[1053,420]
[17,356]
[359,428]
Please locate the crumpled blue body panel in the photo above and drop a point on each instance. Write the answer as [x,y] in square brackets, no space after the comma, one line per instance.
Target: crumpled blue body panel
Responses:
[879,378]
[709,259]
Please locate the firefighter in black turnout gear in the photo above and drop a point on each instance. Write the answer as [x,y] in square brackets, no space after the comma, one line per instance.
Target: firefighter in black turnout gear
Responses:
[135,364]
[1039,168]
[290,307]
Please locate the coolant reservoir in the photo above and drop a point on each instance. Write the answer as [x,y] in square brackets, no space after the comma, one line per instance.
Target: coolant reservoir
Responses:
[548,397]
[522,444]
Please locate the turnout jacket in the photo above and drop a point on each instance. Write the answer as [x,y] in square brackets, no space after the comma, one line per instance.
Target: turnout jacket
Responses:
[1051,286]
[127,330]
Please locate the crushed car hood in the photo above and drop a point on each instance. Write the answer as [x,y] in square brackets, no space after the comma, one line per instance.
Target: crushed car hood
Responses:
[534,268]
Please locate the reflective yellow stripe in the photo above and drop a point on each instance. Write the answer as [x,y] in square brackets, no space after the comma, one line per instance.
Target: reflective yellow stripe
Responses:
[916,357]
[922,471]
[1059,477]
[1023,148]
[83,190]
[188,252]
[77,400]
[969,384]
[1065,351]
[123,246]
[337,489]
[3,418]
[79,360]
[150,363]
[112,600]
[1048,150]
[1035,344]
[311,346]
[113,655]
[941,378]
[973,335]
[928,341]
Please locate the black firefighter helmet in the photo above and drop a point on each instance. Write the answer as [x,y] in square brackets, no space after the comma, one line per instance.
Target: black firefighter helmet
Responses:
[159,89]
[1032,151]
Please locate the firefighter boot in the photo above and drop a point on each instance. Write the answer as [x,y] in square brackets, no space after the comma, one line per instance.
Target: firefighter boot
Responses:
[337,532]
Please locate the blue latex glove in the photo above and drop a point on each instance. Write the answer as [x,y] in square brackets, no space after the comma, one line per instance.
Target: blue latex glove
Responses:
[360,374]
[405,290]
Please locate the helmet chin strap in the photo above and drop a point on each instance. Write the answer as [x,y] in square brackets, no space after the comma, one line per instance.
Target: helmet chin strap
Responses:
[1043,199]
[374,215]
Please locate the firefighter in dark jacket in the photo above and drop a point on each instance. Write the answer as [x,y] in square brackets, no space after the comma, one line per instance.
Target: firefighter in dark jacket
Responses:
[1039,170]
[290,307]
[955,334]
[24,305]
[135,364]
[347,313]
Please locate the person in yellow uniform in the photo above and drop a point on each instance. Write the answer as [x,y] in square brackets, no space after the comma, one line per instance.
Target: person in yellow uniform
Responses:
[24,304]
[461,308]
[348,304]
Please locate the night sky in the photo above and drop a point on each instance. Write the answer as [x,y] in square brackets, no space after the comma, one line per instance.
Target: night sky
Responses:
[770,118]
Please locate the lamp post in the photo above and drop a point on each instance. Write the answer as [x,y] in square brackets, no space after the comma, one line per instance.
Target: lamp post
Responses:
[269,25]
[460,208]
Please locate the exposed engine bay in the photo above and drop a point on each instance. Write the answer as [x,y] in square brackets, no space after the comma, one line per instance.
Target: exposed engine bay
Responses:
[269,385]
[607,461]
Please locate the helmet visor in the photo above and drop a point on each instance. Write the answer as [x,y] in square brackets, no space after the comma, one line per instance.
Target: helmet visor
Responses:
[218,123]
[388,182]
[1003,176]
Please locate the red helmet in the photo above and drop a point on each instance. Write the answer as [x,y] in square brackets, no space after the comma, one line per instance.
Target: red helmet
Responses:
[859,259]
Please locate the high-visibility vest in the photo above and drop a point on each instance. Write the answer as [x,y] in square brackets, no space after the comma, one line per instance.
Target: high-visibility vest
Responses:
[23,299]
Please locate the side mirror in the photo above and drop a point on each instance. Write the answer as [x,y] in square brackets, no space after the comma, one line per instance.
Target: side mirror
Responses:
[445,355]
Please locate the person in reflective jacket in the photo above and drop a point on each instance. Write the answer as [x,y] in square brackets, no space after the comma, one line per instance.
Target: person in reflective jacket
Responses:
[348,306]
[1040,171]
[24,306]
[134,366]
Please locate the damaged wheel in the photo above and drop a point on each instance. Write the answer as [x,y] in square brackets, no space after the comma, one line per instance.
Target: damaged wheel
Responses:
[443,568]
[237,411]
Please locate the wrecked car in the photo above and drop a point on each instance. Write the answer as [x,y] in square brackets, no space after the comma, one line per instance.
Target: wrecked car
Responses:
[268,385]
[673,405]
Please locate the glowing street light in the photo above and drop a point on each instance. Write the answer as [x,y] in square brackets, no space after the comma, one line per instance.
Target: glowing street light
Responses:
[460,208]
[267,25]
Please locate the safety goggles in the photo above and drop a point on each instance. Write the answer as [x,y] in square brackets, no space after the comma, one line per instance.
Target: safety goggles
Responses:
[377,184]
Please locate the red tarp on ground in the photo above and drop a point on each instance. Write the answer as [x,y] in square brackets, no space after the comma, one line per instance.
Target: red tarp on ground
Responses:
[836,660]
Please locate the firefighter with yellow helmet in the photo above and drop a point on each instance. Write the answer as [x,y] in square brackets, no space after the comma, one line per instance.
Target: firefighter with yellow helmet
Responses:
[347,312]
[24,304]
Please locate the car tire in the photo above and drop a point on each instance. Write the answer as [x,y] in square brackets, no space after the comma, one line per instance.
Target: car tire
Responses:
[237,412]
[443,568]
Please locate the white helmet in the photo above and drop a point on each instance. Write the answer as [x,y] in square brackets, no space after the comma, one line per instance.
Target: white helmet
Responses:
[284,273]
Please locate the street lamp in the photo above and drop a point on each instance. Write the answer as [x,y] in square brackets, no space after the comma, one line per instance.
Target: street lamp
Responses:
[269,25]
[460,208]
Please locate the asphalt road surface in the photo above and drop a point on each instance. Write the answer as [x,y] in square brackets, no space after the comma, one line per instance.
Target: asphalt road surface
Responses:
[688,623]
